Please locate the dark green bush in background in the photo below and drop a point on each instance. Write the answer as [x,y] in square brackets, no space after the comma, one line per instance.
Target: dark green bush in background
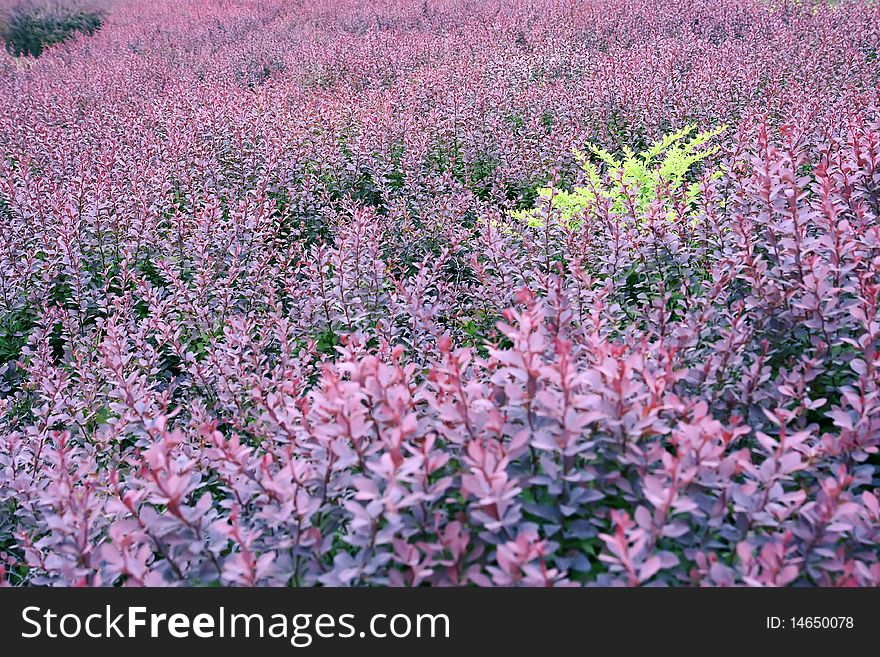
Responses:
[30,29]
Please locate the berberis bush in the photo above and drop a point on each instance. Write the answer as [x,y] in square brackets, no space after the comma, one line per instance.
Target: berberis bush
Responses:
[270,313]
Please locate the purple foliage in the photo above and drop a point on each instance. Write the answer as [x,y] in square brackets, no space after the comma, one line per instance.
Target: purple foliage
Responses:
[266,317]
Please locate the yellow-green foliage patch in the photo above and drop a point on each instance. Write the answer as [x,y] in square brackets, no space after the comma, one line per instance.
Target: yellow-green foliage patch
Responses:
[654,175]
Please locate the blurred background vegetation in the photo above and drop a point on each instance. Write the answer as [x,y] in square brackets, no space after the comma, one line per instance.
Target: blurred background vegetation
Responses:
[28,27]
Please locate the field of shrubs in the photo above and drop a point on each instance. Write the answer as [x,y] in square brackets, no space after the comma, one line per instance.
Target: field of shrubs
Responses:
[440,292]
